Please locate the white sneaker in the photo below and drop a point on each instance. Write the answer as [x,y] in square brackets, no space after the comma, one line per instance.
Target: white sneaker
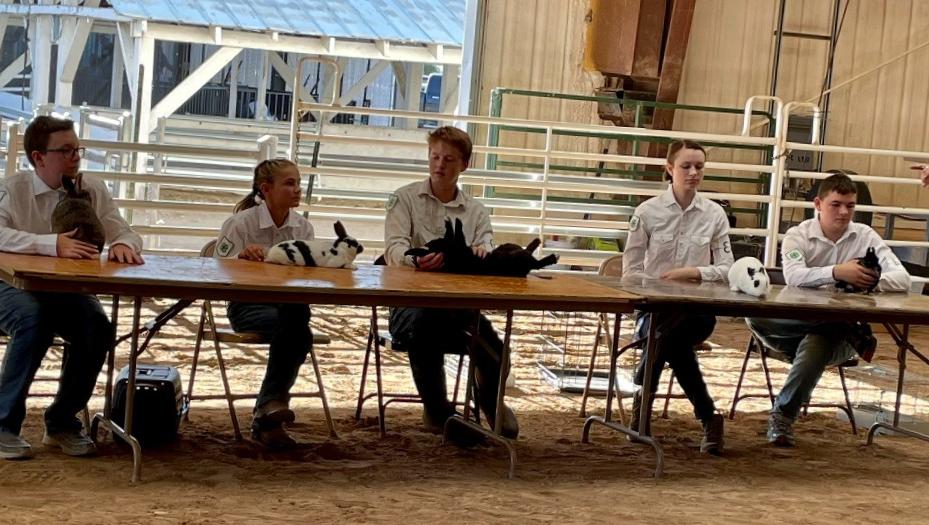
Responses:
[71,442]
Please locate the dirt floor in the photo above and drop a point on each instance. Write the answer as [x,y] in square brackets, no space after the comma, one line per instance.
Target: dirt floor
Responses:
[207,477]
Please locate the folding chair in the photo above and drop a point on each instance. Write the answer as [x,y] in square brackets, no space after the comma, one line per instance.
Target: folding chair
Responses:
[228,336]
[613,267]
[378,338]
[756,345]
[39,378]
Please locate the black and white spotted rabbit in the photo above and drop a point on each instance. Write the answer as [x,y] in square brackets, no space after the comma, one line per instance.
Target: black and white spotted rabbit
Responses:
[75,211]
[339,253]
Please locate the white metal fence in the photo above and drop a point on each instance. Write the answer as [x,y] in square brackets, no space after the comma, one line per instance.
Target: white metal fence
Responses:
[203,158]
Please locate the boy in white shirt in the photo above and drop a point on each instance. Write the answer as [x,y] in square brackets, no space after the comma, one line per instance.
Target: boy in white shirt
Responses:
[821,252]
[32,319]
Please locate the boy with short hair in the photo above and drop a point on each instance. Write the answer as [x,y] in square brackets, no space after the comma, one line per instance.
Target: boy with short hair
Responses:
[32,319]
[820,252]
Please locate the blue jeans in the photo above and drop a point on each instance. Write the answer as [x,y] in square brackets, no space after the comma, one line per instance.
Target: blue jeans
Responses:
[811,347]
[675,346]
[288,327]
[32,319]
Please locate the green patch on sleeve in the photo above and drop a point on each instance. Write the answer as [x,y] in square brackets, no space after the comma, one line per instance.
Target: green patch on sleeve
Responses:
[225,247]
[794,255]
[392,201]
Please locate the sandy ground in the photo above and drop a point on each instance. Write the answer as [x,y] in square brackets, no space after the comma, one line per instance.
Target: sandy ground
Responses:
[207,477]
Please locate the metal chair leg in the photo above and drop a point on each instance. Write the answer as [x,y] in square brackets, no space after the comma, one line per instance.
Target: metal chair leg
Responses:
[667,398]
[322,392]
[767,372]
[593,363]
[848,402]
[738,385]
[222,371]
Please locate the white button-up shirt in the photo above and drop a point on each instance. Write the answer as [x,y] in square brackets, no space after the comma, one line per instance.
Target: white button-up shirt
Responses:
[255,226]
[415,216]
[26,206]
[662,237]
[808,257]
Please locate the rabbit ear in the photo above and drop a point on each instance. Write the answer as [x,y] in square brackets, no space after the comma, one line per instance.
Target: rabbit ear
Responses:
[449,232]
[68,184]
[533,244]
[459,232]
[340,230]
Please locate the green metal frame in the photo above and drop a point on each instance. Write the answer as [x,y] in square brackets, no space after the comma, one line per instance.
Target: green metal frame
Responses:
[496,109]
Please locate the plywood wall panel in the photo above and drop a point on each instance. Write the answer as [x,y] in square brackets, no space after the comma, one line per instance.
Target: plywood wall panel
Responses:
[538,44]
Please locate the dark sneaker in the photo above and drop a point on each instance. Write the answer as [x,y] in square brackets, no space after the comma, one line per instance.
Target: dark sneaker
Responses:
[464,437]
[14,447]
[71,442]
[862,340]
[781,430]
[713,436]
[636,412]
[274,437]
[274,413]
[487,398]
[434,425]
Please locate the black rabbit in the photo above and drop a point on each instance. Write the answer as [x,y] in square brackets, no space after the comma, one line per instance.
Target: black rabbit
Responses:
[869,261]
[515,261]
[457,255]
[76,211]
[506,260]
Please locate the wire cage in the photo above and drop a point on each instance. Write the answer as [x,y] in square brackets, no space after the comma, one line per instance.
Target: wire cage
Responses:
[565,344]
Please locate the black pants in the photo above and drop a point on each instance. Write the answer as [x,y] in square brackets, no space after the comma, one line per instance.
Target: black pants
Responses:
[427,334]
[677,337]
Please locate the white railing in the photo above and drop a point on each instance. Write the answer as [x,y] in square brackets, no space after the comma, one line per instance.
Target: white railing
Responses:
[355,189]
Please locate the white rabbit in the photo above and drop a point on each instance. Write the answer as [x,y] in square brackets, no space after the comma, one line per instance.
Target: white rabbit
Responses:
[339,253]
[747,275]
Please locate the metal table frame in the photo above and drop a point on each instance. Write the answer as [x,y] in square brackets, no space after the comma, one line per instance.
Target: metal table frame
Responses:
[367,286]
[896,321]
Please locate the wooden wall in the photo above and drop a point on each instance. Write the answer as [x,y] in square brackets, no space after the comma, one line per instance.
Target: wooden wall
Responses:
[538,44]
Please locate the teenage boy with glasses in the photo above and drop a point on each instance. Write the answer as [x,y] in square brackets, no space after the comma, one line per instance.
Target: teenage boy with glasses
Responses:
[33,319]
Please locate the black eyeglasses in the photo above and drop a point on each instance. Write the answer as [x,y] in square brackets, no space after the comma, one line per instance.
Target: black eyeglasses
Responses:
[67,152]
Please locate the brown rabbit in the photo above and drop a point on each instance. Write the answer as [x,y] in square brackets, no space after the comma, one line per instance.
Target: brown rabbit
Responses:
[76,211]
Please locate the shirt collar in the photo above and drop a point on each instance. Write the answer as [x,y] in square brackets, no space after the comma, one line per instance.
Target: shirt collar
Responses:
[265,220]
[667,200]
[816,231]
[38,185]
[425,188]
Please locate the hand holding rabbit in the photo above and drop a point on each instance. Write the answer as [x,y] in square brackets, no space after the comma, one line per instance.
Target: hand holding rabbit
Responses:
[70,247]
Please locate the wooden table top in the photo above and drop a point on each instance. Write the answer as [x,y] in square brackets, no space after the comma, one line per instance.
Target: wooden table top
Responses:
[788,302]
[235,279]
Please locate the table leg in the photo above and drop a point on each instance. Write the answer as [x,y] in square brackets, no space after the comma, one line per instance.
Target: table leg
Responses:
[646,413]
[110,363]
[464,420]
[125,432]
[901,337]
